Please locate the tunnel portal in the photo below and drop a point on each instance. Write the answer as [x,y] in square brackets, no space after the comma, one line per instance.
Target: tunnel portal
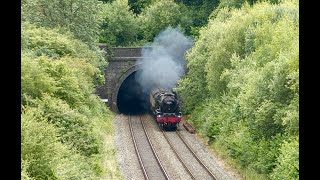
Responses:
[132,97]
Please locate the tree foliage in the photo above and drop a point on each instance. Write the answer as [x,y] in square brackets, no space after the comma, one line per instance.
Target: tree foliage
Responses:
[160,15]
[199,10]
[38,41]
[39,144]
[136,22]
[288,161]
[242,87]
[43,154]
[63,123]
[137,6]
[119,27]
[81,17]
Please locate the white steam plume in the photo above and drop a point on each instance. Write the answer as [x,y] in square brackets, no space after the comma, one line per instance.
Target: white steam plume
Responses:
[163,63]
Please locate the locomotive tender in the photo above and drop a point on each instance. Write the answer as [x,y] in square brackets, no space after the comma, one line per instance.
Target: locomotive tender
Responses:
[165,106]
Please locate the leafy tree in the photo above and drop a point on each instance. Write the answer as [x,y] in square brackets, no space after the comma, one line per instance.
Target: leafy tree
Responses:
[44,156]
[236,4]
[73,127]
[38,41]
[39,144]
[64,125]
[106,1]
[242,88]
[200,10]
[137,6]
[24,170]
[288,161]
[194,82]
[34,80]
[119,27]
[81,17]
[162,14]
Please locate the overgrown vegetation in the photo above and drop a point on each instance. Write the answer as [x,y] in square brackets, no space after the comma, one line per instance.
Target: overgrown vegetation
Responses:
[136,22]
[119,27]
[242,87]
[81,17]
[66,131]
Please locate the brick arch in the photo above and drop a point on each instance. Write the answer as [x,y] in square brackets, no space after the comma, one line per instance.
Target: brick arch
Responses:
[119,83]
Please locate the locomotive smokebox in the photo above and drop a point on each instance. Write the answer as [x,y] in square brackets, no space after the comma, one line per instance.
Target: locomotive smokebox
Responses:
[164,104]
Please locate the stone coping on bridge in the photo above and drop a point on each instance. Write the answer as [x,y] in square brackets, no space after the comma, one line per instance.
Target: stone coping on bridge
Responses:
[123,52]
[127,58]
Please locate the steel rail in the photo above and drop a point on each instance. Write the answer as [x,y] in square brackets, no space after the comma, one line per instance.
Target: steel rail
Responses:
[137,151]
[175,151]
[153,151]
[194,154]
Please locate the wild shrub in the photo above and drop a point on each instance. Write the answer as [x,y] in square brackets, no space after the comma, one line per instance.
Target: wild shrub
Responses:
[287,164]
[59,74]
[161,14]
[242,82]
[34,79]
[119,26]
[74,128]
[81,17]
[39,148]
[53,43]
[43,154]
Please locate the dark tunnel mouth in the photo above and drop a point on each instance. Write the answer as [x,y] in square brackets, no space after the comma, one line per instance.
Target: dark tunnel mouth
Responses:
[132,98]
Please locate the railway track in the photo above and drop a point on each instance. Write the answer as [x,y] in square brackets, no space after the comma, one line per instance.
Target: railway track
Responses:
[193,165]
[149,161]
[147,156]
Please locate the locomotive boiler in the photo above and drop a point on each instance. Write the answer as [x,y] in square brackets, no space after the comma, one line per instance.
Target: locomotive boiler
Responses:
[165,106]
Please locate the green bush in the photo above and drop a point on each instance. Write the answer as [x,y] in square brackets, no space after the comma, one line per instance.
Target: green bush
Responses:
[41,75]
[288,161]
[119,27]
[43,154]
[34,80]
[81,17]
[59,74]
[24,170]
[70,79]
[161,14]
[56,44]
[242,88]
[193,87]
[39,148]
[74,128]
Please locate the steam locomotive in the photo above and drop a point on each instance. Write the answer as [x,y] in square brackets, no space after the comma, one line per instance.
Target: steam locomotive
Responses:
[165,106]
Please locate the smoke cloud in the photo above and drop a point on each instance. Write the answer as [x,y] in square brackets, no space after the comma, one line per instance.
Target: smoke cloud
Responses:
[163,60]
